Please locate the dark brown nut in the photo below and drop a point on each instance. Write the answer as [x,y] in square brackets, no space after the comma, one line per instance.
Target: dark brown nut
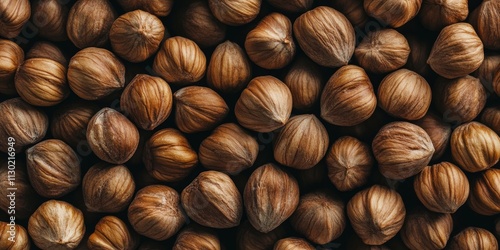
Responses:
[196,237]
[372,219]
[293,5]
[94,73]
[147,100]
[229,149]
[229,69]
[47,50]
[180,61]
[11,56]
[292,243]
[112,233]
[69,123]
[112,137]
[420,49]
[156,212]
[348,97]
[89,22]
[13,237]
[155,7]
[271,196]
[50,18]
[486,72]
[319,217]
[264,105]
[349,162]
[485,20]
[248,238]
[302,142]
[473,238]
[496,83]
[168,155]
[484,195]
[13,15]
[198,109]
[491,118]
[425,230]
[457,51]
[393,12]
[439,132]
[405,94]
[270,44]
[353,10]
[56,225]
[333,45]
[235,12]
[305,81]
[437,14]
[474,147]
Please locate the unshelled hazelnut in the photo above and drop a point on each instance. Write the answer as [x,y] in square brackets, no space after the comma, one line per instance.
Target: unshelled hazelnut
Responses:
[155,7]
[485,192]
[235,12]
[473,238]
[50,17]
[112,233]
[16,232]
[293,5]
[491,118]
[485,20]
[11,56]
[292,243]
[249,238]
[13,15]
[486,72]
[353,10]
[305,81]
[196,237]
[425,230]
[496,83]
[420,49]
[437,14]
[69,122]
[439,132]
[47,50]
[393,12]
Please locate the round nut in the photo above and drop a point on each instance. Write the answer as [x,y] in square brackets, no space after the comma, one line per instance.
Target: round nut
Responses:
[473,238]
[155,7]
[235,12]
[392,12]
[112,233]
[439,132]
[437,14]
[69,123]
[484,19]
[293,244]
[305,81]
[47,50]
[485,193]
[11,57]
[50,17]
[426,230]
[13,15]
[196,237]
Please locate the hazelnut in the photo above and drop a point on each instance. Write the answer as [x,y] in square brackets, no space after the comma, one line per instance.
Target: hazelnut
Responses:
[425,230]
[302,142]
[19,234]
[392,12]
[349,162]
[235,12]
[50,17]
[437,14]
[112,137]
[94,73]
[319,217]
[439,132]
[156,212]
[198,109]
[305,81]
[264,105]
[271,195]
[229,149]
[496,83]
[229,70]
[11,57]
[292,243]
[485,20]
[486,72]
[333,45]
[56,225]
[292,6]
[180,61]
[420,49]
[136,35]
[196,237]
[13,15]
[457,51]
[112,233]
[473,238]
[147,100]
[348,97]
[373,220]
[248,238]
[69,123]
[89,22]
[270,44]
[382,51]
[485,193]
[474,147]
[47,50]
[353,10]
[155,7]
[404,94]
[168,155]
[491,118]
[212,200]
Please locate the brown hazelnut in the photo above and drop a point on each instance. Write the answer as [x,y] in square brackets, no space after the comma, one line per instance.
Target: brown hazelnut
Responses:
[271,195]
[491,118]
[373,220]
[474,147]
[484,195]
[353,10]
[439,132]
[264,105]
[69,123]
[292,243]
[13,237]
[302,142]
[168,155]
[147,100]
[229,70]
[235,12]
[486,72]
[270,44]
[155,7]
[420,49]
[457,51]
[305,81]
[180,61]
[56,225]
[496,83]
[156,212]
[89,22]
[393,12]
[333,45]
[437,14]
[13,15]
[473,238]
[319,217]
[229,149]
[349,162]
[485,19]
[112,137]
[425,230]
[196,237]
[47,50]
[112,233]
[11,56]
[248,238]
[94,73]
[50,17]
[348,97]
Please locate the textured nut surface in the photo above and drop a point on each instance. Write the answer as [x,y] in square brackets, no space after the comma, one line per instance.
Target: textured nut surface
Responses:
[491,118]
[47,50]
[11,56]
[112,233]
[50,17]
[196,237]
[473,238]
[392,12]
[21,241]
[485,193]
[292,243]
[235,12]
[155,7]
[305,81]
[485,20]
[439,132]
[292,5]
[14,14]
[437,14]
[426,230]
[69,122]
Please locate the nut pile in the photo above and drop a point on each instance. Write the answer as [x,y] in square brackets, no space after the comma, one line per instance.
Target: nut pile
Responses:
[249,124]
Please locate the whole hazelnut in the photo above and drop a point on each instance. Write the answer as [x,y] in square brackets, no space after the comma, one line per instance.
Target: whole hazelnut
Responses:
[50,17]
[425,230]
[112,137]
[89,22]
[156,7]
[349,162]
[156,212]
[16,232]
[439,132]
[147,100]
[404,94]
[333,45]
[491,118]
[198,109]
[473,238]
[180,61]
[420,49]
[69,123]
[264,105]
[486,72]
[305,81]
[457,51]
[94,73]
[56,225]
[235,12]
[348,97]
[112,233]
[212,200]
[475,147]
[196,237]
[437,14]
[302,142]
[229,69]
[11,56]
[168,155]
[293,5]
[292,243]
[393,12]
[319,217]
[13,15]
[270,44]
[248,238]
[47,50]
[271,195]
[353,10]
[371,216]
[229,149]
[484,195]
[485,20]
